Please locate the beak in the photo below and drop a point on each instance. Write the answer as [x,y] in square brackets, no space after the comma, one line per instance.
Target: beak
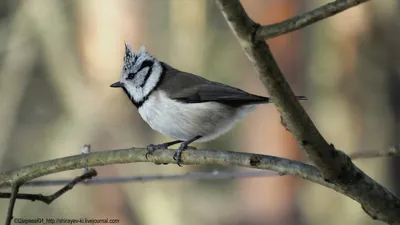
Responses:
[116,85]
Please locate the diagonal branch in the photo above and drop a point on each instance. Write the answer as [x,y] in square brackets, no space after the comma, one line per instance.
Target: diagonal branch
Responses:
[308,18]
[295,117]
[333,164]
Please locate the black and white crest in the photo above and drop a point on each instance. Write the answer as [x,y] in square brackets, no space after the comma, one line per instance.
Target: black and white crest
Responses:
[129,57]
[140,74]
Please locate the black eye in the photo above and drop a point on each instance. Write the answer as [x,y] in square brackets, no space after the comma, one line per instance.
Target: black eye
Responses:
[131,76]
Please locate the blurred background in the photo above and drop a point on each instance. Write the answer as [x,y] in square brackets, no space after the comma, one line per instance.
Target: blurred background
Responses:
[58,58]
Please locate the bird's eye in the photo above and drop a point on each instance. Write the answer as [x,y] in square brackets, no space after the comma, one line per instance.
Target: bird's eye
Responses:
[131,76]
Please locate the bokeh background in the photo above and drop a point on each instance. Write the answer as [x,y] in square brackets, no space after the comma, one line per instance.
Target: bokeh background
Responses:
[58,58]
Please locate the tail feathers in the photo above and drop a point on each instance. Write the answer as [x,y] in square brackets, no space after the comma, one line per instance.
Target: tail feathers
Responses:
[265,100]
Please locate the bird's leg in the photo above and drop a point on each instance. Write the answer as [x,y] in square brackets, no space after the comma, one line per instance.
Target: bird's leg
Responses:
[184,145]
[152,147]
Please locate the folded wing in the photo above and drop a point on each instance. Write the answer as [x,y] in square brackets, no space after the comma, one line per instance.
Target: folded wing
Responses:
[216,92]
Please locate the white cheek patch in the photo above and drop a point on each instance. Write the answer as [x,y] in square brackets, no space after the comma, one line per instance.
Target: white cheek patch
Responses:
[141,76]
[153,78]
[135,87]
[135,93]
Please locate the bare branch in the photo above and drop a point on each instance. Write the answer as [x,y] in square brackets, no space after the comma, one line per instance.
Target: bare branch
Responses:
[392,151]
[164,177]
[50,198]
[334,165]
[13,197]
[85,150]
[216,174]
[293,114]
[190,157]
[308,18]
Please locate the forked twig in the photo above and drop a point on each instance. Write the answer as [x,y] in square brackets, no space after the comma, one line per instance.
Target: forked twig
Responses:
[46,198]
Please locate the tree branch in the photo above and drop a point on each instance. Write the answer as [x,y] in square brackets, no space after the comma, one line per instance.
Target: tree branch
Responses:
[308,18]
[334,165]
[190,157]
[215,174]
[392,151]
[13,198]
[295,117]
[50,198]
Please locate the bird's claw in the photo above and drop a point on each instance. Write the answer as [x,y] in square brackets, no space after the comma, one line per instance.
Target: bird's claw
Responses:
[152,147]
[177,157]
[178,154]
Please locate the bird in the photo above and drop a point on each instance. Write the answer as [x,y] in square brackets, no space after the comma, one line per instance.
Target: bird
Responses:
[183,106]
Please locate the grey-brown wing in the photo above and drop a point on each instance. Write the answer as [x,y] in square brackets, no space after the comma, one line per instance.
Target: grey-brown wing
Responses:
[190,88]
[216,92]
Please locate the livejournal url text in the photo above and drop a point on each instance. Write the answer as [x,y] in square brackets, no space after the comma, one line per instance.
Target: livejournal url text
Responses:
[65,221]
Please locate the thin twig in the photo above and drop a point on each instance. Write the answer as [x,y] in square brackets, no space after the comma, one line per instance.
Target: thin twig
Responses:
[13,197]
[165,177]
[49,198]
[392,151]
[308,18]
[85,150]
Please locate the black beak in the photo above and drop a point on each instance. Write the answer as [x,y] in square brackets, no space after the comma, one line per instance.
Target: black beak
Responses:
[116,85]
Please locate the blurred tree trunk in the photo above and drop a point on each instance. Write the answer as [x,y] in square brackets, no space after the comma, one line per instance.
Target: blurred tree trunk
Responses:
[64,109]
[187,23]
[384,33]
[17,60]
[104,27]
[272,200]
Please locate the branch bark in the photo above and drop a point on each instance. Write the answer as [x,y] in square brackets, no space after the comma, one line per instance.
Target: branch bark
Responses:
[334,165]
[190,157]
[11,205]
[392,151]
[308,18]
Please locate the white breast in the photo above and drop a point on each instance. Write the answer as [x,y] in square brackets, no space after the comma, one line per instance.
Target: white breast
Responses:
[182,121]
